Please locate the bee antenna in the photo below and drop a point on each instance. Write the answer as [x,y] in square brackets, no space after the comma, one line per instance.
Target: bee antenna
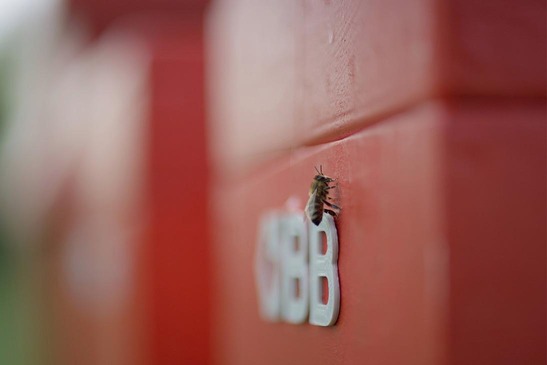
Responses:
[317,170]
[321,169]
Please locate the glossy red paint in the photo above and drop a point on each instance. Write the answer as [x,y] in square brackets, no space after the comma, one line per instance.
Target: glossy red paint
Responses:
[495,184]
[174,273]
[177,275]
[432,115]
[392,257]
[442,242]
[100,15]
[334,67]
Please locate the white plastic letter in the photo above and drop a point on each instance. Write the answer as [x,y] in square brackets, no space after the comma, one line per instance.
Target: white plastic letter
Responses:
[294,287]
[267,268]
[324,266]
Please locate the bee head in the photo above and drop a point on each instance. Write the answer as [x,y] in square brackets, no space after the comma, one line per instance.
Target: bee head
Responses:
[322,178]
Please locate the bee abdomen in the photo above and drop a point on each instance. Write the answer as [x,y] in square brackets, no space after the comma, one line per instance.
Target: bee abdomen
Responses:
[317,214]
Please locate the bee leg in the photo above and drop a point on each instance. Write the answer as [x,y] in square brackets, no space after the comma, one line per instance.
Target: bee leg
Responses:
[329,204]
[331,212]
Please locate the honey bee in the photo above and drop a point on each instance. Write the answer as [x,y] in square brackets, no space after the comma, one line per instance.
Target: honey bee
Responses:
[319,193]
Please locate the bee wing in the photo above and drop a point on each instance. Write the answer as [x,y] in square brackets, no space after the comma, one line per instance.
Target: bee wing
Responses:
[310,205]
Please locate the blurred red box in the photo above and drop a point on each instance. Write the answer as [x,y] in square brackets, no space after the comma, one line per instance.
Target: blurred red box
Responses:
[167,321]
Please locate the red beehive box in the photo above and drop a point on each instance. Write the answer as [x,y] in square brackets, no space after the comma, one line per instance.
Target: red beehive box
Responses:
[167,320]
[431,115]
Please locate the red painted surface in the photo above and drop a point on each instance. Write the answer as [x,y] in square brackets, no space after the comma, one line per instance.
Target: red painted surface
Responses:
[362,60]
[442,243]
[393,277]
[177,248]
[495,47]
[496,219]
[331,67]
[99,15]
[174,274]
[432,115]
[334,67]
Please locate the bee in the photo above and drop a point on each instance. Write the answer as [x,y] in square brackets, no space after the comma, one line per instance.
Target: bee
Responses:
[319,193]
